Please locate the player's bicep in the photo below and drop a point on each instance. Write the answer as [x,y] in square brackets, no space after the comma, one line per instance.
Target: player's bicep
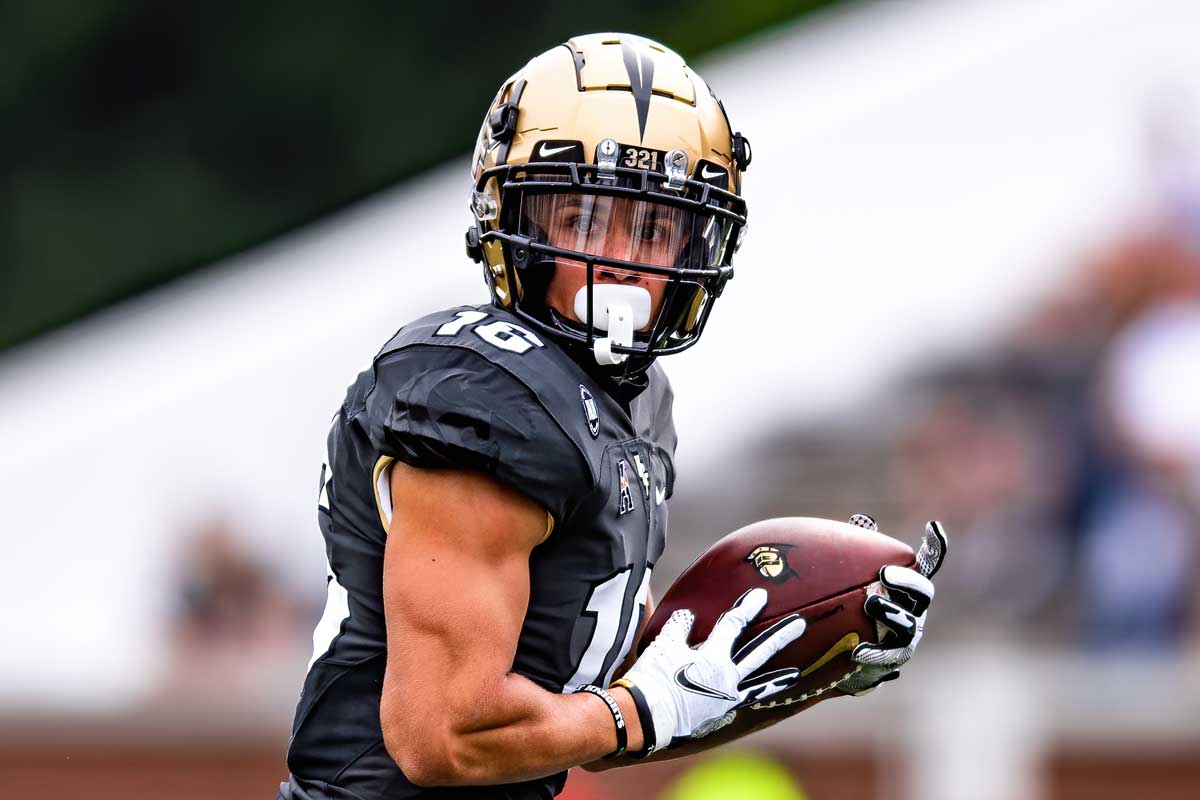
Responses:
[456,588]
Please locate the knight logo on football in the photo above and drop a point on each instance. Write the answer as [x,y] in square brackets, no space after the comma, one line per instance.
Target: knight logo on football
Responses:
[771,561]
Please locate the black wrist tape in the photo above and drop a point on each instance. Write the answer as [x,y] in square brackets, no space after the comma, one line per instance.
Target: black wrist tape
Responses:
[649,743]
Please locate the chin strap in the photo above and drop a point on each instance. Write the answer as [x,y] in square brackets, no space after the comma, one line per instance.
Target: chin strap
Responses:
[617,310]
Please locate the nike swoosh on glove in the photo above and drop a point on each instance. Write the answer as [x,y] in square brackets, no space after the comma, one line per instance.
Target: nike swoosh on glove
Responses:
[693,691]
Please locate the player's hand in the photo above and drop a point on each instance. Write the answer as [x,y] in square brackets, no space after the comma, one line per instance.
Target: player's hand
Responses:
[693,691]
[902,612]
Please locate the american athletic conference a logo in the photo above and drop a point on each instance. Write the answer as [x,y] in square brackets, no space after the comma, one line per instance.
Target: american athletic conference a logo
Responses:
[626,502]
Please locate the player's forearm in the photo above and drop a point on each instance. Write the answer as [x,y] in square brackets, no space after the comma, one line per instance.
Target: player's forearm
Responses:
[515,731]
[540,733]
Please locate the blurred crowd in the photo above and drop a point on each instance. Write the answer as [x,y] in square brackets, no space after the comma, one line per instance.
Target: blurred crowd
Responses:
[1069,460]
[1072,456]
[237,633]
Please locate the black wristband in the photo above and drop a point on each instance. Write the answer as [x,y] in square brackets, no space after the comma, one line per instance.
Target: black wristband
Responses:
[618,717]
[649,742]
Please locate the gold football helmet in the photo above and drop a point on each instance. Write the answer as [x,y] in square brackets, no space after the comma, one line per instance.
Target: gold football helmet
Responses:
[609,156]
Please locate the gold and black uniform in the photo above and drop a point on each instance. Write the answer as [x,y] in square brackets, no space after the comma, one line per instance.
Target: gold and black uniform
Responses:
[474,388]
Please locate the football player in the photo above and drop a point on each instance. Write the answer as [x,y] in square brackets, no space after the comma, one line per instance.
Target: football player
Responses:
[494,497]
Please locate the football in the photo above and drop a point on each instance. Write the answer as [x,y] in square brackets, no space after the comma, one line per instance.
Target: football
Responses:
[820,569]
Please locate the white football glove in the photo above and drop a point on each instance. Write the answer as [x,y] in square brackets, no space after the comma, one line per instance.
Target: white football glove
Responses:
[901,612]
[693,691]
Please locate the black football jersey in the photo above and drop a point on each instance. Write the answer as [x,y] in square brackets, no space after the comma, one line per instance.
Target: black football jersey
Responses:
[472,388]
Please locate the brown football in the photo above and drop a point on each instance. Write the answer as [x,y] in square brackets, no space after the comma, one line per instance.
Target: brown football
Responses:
[820,569]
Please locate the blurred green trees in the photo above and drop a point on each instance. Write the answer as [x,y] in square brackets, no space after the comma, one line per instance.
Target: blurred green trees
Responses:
[141,140]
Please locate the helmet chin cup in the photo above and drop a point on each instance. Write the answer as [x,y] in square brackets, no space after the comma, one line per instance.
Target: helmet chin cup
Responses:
[617,310]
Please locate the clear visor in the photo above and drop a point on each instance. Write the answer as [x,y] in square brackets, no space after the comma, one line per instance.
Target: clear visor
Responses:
[620,228]
[639,232]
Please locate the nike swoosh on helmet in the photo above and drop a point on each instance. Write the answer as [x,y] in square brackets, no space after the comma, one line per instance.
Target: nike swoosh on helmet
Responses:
[544,151]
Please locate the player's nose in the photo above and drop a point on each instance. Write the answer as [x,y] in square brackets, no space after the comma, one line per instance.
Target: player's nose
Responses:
[617,245]
[612,275]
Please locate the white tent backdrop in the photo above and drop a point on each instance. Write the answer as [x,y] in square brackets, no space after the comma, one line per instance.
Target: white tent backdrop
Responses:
[920,170]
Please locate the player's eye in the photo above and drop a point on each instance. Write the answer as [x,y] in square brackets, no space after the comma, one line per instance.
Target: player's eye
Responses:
[654,230]
[650,233]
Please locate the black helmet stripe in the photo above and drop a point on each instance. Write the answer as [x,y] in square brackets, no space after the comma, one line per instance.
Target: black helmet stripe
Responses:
[639,64]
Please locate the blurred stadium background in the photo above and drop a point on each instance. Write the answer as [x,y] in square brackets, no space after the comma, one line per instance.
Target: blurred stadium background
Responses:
[971,291]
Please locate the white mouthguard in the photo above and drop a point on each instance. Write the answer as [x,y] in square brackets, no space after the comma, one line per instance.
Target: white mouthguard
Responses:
[618,310]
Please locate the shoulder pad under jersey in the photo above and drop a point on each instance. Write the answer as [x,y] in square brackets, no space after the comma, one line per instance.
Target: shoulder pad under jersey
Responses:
[472,388]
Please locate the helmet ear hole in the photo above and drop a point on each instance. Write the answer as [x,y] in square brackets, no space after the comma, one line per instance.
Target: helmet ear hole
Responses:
[533,281]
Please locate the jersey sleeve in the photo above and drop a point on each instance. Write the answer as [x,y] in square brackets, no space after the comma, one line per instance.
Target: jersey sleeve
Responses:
[445,407]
